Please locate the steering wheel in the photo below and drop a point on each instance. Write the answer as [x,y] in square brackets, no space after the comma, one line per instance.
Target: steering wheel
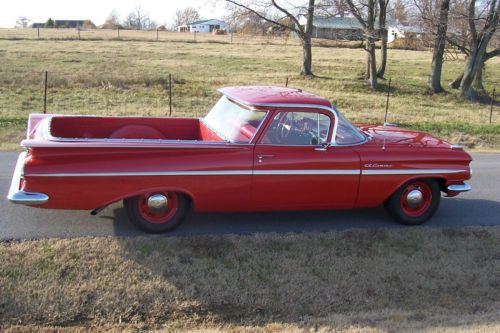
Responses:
[283,130]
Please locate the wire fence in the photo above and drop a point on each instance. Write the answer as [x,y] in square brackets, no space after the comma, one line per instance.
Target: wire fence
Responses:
[167,36]
[141,35]
[61,92]
[164,94]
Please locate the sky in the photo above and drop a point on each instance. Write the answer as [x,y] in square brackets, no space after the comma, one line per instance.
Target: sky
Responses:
[161,11]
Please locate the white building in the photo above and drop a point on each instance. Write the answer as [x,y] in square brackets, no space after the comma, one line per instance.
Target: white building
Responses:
[203,26]
[399,31]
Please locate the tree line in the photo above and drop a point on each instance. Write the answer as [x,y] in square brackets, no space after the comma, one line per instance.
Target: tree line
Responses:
[464,27]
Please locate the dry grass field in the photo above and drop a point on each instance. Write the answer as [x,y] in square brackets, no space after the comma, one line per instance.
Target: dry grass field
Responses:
[129,77]
[399,280]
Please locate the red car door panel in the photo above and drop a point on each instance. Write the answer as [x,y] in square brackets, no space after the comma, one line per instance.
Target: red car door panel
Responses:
[303,177]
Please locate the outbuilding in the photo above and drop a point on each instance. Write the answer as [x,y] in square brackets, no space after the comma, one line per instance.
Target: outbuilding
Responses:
[203,26]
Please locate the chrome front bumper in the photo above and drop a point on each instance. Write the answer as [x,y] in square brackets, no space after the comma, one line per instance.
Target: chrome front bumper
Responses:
[21,197]
[459,188]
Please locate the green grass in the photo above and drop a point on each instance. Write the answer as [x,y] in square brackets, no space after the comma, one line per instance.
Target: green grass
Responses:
[130,78]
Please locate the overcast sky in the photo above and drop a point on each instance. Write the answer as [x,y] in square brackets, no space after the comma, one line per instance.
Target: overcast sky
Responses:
[161,11]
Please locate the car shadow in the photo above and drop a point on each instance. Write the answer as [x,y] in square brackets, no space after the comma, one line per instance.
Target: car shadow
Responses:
[452,213]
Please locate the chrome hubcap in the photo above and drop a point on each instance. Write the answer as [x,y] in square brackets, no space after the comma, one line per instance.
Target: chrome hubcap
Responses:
[414,198]
[157,203]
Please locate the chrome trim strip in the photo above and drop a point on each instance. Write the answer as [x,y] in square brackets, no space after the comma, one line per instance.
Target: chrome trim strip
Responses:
[410,171]
[307,172]
[21,197]
[146,173]
[465,187]
[201,173]
[457,147]
[250,172]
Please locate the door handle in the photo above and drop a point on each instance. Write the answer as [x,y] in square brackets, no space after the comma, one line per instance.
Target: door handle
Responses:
[323,147]
[261,156]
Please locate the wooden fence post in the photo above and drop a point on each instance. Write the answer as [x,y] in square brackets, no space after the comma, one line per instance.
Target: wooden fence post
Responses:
[157,35]
[491,106]
[195,36]
[286,82]
[38,30]
[118,32]
[78,33]
[45,93]
[170,94]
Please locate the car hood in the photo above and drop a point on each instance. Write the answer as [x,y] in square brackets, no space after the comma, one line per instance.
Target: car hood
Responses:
[397,136]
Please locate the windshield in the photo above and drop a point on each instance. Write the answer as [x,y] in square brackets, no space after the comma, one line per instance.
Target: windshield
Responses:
[347,134]
[233,122]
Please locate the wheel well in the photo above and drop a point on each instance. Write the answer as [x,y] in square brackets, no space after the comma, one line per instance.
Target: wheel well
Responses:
[187,195]
[441,182]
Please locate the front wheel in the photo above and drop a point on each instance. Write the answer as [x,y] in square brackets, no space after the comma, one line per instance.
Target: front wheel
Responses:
[415,202]
[157,212]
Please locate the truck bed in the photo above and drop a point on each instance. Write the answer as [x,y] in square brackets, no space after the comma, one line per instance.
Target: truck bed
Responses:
[55,127]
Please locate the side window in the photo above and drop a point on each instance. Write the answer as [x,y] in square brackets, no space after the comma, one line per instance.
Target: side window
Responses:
[298,128]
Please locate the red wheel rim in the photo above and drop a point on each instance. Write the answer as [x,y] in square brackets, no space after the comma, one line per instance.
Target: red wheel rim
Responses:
[419,208]
[158,216]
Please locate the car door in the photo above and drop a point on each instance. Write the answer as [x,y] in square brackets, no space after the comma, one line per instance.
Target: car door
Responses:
[296,168]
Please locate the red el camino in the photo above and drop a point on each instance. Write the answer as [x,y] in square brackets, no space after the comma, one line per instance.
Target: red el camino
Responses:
[258,149]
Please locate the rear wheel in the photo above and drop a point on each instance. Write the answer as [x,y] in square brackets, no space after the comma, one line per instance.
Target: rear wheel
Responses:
[157,212]
[415,202]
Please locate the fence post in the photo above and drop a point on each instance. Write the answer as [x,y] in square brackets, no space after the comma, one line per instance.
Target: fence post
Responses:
[156,34]
[387,101]
[491,106]
[118,32]
[195,36]
[286,82]
[38,32]
[231,37]
[78,33]
[45,93]
[170,94]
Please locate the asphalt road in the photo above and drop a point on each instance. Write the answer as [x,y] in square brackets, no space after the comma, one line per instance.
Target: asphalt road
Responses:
[481,206]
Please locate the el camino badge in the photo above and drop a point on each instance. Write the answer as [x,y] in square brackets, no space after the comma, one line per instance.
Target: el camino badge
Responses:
[376,165]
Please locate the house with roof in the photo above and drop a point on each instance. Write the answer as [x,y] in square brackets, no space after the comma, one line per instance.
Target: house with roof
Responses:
[330,27]
[397,30]
[203,26]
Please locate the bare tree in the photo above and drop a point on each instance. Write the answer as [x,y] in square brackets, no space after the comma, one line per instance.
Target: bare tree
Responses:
[399,12]
[22,22]
[336,8]
[138,19]
[113,20]
[382,19]
[186,16]
[303,32]
[439,46]
[245,21]
[364,11]
[487,25]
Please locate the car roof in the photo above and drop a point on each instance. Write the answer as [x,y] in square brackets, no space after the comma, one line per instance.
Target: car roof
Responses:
[269,95]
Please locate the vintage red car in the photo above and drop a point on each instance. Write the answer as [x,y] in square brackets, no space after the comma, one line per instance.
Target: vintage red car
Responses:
[259,149]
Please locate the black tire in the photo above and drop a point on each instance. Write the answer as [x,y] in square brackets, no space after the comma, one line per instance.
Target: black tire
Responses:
[395,205]
[160,225]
